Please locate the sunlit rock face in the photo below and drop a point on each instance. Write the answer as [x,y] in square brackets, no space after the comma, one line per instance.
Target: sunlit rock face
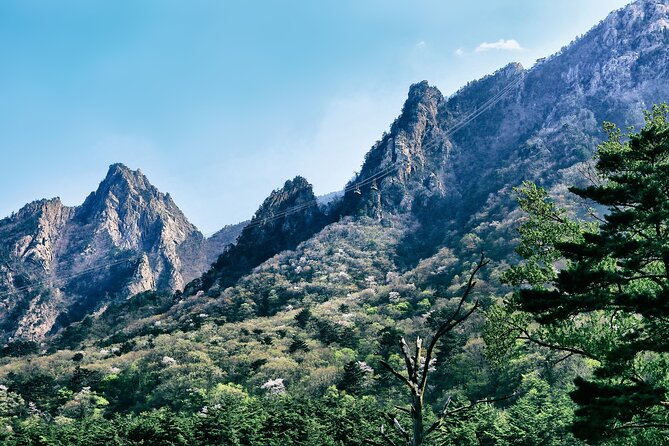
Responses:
[60,263]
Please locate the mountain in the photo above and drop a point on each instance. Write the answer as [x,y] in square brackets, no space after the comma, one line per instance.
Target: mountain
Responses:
[438,185]
[311,292]
[458,157]
[444,169]
[60,263]
[287,217]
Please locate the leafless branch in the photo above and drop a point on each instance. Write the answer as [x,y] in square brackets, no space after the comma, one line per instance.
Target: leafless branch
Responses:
[454,320]
[403,409]
[396,373]
[399,427]
[417,370]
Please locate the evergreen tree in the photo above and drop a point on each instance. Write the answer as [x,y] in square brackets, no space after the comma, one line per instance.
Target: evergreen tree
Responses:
[610,302]
[353,378]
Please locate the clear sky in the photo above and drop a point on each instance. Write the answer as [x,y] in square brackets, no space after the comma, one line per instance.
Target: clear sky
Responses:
[218,102]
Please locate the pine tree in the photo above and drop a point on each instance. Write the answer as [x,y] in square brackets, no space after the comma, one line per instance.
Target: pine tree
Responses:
[353,378]
[618,277]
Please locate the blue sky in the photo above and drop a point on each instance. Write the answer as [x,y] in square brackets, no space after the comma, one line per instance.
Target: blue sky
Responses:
[219,102]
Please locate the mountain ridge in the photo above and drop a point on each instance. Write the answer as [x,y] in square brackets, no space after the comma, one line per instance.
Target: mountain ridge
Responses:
[455,158]
[314,297]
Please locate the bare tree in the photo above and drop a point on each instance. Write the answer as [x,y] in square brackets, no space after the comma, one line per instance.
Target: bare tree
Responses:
[417,366]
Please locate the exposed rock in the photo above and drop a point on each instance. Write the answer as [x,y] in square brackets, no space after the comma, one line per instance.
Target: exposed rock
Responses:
[287,217]
[445,166]
[59,263]
[453,157]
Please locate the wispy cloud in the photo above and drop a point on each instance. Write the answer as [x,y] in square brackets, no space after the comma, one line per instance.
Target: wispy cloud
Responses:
[459,52]
[421,45]
[501,44]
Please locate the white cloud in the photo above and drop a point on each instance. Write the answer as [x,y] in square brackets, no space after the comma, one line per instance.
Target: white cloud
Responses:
[459,52]
[501,44]
[420,45]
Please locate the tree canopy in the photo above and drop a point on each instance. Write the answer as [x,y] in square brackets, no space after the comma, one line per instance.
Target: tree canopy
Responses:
[602,290]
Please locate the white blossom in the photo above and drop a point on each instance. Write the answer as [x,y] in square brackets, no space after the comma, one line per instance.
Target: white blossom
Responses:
[168,361]
[274,386]
[364,367]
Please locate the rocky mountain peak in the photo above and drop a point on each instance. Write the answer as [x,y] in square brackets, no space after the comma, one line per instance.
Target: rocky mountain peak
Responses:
[38,209]
[32,232]
[420,106]
[288,216]
[120,175]
[284,214]
[642,17]
[121,185]
[294,192]
[405,157]
[133,212]
[129,235]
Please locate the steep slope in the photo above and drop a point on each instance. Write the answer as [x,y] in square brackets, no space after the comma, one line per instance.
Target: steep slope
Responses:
[457,158]
[300,297]
[287,217]
[444,170]
[446,167]
[60,263]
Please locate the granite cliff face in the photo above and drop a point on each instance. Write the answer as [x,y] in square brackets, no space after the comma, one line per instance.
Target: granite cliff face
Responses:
[60,263]
[454,157]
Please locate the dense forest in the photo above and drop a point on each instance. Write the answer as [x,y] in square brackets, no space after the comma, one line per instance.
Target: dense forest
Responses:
[567,345]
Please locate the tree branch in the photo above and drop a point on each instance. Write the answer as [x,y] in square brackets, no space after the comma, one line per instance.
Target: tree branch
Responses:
[403,409]
[452,322]
[397,374]
[399,427]
[643,426]
[528,337]
[407,357]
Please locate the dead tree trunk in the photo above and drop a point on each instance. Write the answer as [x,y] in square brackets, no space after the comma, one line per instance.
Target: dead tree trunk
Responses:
[417,368]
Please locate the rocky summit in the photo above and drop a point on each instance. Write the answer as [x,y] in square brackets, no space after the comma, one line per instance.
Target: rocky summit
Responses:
[430,289]
[59,263]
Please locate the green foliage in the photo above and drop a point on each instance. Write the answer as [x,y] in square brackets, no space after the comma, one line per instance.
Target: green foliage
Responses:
[610,300]
[19,348]
[547,225]
[235,419]
[303,317]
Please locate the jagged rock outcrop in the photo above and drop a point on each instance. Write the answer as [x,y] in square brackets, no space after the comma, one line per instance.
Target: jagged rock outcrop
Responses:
[128,213]
[287,217]
[446,166]
[59,263]
[446,161]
